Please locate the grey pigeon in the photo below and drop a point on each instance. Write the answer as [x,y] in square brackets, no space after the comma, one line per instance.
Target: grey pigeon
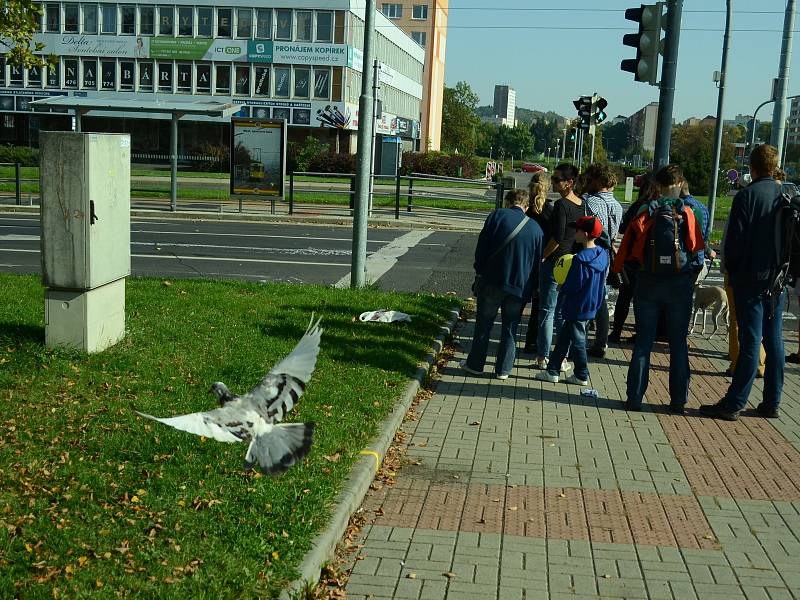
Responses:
[256,416]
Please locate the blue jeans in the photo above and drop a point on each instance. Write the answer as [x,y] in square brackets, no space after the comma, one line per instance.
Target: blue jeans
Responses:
[549,313]
[673,295]
[759,322]
[571,342]
[490,300]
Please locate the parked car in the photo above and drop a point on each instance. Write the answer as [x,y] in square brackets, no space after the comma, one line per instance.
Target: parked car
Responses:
[533,168]
[790,189]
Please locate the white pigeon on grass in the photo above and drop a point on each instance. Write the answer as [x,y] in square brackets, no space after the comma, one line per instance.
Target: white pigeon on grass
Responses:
[256,416]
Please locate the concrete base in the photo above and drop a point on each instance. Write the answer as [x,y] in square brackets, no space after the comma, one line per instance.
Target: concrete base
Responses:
[90,321]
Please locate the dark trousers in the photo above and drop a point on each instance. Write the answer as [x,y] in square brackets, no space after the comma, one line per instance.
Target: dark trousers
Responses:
[623,306]
[601,323]
[533,326]
[571,342]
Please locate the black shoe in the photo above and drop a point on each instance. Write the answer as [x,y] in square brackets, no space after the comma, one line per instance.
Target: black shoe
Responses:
[677,409]
[596,352]
[718,411]
[767,412]
[630,407]
[615,337]
[793,358]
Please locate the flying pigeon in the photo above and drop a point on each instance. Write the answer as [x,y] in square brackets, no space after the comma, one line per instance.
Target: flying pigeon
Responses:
[256,416]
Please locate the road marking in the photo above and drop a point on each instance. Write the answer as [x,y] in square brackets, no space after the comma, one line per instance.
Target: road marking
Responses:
[385,258]
[19,237]
[290,251]
[254,235]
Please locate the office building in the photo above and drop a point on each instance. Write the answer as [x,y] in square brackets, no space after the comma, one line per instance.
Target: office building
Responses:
[505,105]
[642,126]
[793,127]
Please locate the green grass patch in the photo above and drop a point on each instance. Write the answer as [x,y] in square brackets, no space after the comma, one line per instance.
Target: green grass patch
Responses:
[33,173]
[95,500]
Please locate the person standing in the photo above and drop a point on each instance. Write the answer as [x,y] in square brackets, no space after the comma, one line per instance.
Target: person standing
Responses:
[752,261]
[509,249]
[600,202]
[662,241]
[567,209]
[584,292]
[540,209]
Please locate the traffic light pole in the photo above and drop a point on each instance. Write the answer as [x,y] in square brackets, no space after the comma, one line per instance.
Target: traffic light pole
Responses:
[712,193]
[780,110]
[669,71]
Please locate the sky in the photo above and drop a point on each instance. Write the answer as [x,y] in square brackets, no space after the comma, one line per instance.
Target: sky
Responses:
[525,44]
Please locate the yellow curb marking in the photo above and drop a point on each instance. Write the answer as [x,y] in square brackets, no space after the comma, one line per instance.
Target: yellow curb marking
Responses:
[376,455]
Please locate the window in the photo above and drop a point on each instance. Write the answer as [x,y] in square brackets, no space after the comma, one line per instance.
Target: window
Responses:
[185,20]
[147,20]
[2,70]
[324,26]
[35,77]
[420,37]
[108,21]
[223,79]
[419,11]
[282,76]
[184,83]
[322,83]
[52,18]
[301,79]
[89,66]
[203,83]
[242,81]
[338,29]
[71,18]
[165,76]
[264,23]
[283,24]
[89,18]
[71,73]
[166,20]
[224,22]
[305,20]
[205,17]
[393,11]
[244,23]
[127,17]
[53,76]
[15,76]
[145,77]
[262,81]
[126,69]
[336,86]
[108,73]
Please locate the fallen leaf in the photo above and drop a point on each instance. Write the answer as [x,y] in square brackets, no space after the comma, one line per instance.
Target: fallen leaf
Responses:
[449,574]
[275,555]
[82,560]
[512,508]
[333,457]
[475,423]
[411,576]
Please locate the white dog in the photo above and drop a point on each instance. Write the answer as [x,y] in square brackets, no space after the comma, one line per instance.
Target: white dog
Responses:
[714,299]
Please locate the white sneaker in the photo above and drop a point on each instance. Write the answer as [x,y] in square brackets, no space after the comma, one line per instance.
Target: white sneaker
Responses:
[540,363]
[470,370]
[566,366]
[545,376]
[575,381]
[502,376]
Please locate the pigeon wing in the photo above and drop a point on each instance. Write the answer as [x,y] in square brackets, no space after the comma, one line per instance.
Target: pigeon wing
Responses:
[225,424]
[282,387]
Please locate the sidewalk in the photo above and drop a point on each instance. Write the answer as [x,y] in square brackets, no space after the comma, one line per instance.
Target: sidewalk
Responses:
[523,489]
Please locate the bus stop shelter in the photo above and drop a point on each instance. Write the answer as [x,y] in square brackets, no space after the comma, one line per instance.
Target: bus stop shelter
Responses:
[176,110]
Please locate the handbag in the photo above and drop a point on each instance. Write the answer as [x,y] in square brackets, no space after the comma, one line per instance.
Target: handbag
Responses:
[476,284]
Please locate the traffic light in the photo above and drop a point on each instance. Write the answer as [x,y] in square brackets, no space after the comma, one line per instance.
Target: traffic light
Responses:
[584,107]
[647,42]
[598,109]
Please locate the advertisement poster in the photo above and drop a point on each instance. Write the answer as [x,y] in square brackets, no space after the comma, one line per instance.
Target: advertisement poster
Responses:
[258,157]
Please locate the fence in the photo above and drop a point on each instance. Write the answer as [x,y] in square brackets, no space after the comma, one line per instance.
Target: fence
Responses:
[17,179]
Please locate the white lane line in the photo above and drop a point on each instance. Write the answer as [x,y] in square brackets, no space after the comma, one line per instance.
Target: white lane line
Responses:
[251,235]
[172,256]
[19,237]
[384,259]
[288,251]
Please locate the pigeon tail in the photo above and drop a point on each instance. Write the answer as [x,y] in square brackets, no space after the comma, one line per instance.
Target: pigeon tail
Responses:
[283,446]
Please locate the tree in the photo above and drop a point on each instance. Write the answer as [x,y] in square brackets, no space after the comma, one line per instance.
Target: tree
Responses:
[692,148]
[617,139]
[19,20]
[545,132]
[459,122]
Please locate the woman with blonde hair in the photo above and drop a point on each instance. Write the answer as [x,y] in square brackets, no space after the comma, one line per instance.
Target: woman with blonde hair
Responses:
[539,209]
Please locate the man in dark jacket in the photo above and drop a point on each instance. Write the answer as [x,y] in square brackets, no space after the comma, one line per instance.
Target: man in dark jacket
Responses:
[752,261]
[506,258]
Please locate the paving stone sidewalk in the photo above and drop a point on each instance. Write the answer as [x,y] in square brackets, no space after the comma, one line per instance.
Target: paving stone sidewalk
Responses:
[526,489]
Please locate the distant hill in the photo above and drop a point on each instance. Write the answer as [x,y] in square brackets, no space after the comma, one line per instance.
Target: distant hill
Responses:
[524,115]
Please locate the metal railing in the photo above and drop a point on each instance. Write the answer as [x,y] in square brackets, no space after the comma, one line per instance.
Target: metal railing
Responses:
[17,179]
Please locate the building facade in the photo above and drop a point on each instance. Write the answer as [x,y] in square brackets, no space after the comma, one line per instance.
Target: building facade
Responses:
[505,105]
[300,62]
[426,23]
[793,127]
[642,126]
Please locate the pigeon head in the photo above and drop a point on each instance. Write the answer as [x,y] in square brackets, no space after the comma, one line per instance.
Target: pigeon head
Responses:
[221,391]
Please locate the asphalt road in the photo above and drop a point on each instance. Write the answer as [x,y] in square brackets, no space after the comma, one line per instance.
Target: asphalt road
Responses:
[402,260]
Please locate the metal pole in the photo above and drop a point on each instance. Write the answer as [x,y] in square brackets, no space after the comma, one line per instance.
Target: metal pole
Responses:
[397,195]
[173,157]
[376,67]
[785,138]
[668,73]
[575,147]
[591,152]
[18,187]
[564,146]
[712,194]
[779,112]
[291,193]
[358,271]
[755,123]
[77,120]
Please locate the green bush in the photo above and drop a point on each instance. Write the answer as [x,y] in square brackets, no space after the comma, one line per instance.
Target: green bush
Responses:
[308,151]
[216,158]
[438,163]
[327,162]
[27,157]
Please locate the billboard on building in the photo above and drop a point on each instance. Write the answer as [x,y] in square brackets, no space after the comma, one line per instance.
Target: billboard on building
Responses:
[258,157]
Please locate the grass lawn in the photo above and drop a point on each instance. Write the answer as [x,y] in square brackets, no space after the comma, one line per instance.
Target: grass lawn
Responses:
[95,500]
[33,173]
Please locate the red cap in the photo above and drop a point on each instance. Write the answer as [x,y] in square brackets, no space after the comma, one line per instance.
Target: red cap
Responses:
[591,226]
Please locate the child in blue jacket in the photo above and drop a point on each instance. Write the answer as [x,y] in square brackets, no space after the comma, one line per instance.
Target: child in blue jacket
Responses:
[583,292]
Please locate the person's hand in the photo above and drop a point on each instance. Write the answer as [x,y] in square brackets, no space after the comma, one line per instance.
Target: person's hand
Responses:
[712,254]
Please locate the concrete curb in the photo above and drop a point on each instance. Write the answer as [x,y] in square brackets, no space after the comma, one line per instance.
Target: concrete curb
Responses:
[355,489]
[333,220]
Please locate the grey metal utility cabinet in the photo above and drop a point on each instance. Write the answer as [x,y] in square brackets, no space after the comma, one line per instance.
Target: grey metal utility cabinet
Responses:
[85,219]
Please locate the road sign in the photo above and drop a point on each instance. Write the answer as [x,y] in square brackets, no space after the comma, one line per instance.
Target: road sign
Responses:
[733,175]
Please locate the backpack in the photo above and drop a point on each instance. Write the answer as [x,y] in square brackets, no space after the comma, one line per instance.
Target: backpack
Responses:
[665,248]
[787,239]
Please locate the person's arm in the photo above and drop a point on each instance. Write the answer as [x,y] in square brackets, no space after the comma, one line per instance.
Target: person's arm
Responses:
[559,224]
[734,247]
[483,247]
